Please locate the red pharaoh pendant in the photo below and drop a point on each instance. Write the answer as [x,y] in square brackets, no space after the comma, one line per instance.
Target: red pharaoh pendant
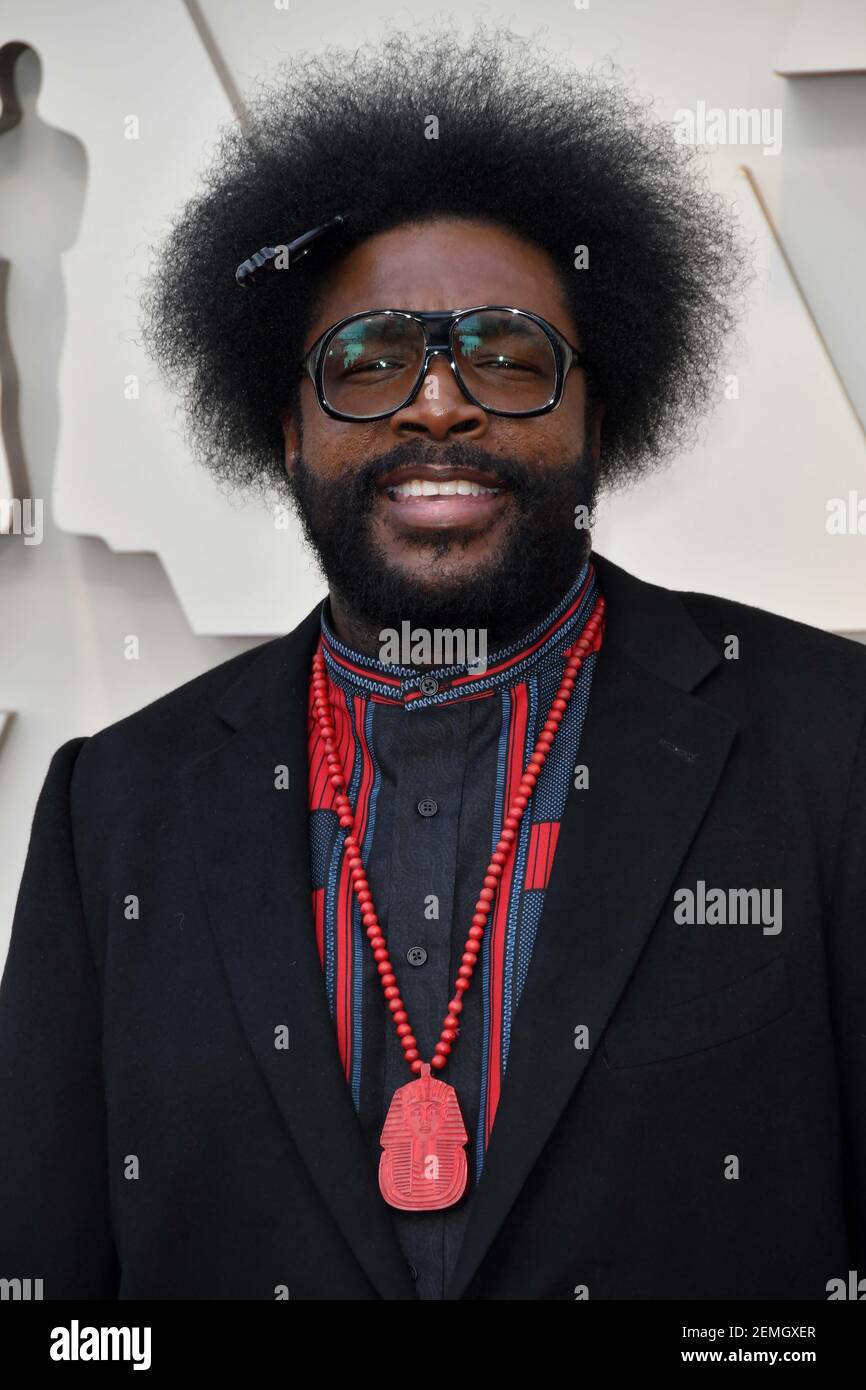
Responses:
[423,1165]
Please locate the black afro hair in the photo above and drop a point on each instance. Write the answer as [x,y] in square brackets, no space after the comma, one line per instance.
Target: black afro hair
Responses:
[562,158]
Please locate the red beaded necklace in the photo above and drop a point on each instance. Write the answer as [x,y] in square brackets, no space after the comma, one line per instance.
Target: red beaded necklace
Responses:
[423,1165]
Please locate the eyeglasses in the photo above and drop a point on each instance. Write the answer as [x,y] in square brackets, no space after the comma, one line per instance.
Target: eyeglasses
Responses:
[507,361]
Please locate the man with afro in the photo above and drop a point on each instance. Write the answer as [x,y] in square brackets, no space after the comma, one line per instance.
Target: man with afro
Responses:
[497,933]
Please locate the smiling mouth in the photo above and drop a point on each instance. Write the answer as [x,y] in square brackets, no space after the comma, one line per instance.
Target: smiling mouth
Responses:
[428,481]
[455,487]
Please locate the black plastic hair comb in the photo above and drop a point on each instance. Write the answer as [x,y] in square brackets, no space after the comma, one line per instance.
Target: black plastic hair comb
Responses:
[263,263]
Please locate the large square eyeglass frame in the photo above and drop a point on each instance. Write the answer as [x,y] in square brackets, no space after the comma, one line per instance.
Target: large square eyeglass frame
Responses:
[439,329]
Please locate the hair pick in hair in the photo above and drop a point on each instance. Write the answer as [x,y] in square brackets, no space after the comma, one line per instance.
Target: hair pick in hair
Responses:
[263,263]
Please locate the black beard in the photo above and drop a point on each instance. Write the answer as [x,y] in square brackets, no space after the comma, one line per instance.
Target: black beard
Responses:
[540,557]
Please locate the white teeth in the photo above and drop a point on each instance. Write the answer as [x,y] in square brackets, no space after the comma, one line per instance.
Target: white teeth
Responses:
[426,487]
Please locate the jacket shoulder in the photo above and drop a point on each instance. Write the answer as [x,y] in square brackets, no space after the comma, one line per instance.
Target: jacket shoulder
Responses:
[175,728]
[782,642]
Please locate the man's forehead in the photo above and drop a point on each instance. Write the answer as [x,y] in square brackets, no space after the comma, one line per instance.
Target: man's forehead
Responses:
[443,264]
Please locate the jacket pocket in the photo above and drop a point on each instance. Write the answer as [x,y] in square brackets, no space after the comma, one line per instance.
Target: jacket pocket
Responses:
[705,1022]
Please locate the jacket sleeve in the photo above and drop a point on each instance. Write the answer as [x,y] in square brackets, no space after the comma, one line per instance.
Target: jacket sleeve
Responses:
[847,958]
[55,1222]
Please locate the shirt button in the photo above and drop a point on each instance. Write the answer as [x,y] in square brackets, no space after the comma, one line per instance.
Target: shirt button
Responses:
[428,685]
[416,955]
[428,807]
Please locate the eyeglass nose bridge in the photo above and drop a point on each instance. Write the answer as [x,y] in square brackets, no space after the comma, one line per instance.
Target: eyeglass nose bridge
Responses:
[439,349]
[438,334]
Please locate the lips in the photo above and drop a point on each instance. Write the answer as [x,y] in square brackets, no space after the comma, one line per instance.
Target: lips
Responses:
[438,475]
[434,496]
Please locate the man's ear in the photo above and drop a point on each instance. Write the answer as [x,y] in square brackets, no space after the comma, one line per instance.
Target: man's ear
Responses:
[292,437]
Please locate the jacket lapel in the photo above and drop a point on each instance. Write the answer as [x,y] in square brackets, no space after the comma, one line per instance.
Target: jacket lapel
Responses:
[251,844]
[655,753]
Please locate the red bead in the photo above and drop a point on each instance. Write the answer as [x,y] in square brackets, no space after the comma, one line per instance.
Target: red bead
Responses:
[479,919]
[411,1054]
[456,1005]
[416,1066]
[476,932]
[443,1048]
[461,983]
[486,895]
[436,1062]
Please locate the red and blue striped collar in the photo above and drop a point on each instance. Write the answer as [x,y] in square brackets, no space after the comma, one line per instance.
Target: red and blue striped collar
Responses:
[506,666]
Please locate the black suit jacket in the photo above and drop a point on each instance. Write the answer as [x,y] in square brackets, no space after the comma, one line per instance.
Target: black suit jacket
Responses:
[709,1141]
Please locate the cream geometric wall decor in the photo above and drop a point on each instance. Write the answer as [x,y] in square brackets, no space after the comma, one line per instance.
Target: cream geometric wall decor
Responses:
[754,512]
[824,40]
[137,87]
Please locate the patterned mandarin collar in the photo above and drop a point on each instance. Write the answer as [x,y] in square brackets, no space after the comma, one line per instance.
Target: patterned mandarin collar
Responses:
[477,674]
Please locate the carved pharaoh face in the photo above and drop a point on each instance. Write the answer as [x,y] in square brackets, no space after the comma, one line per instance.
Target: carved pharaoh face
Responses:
[424,1116]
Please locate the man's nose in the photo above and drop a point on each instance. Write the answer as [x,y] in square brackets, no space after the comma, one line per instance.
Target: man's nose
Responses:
[440,408]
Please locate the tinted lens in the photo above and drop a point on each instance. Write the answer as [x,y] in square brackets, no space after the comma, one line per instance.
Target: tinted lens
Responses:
[505,360]
[371,365]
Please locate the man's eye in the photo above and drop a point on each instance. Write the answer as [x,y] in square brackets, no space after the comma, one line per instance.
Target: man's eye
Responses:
[378,364]
[503,363]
